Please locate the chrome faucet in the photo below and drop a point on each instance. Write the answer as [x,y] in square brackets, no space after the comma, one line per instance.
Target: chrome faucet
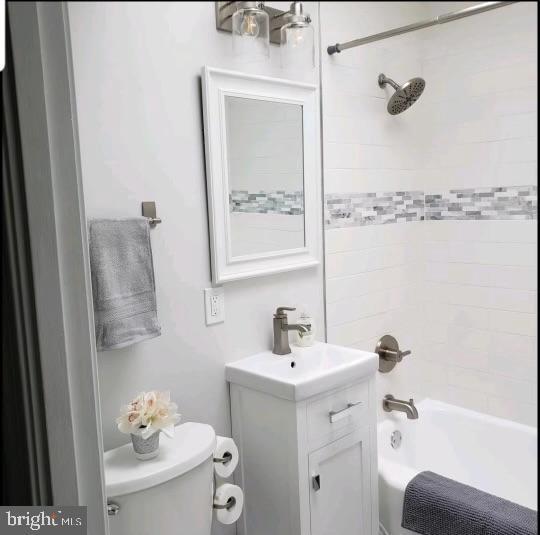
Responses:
[390,403]
[281,331]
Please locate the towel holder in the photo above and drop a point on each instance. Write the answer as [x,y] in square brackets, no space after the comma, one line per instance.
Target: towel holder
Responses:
[149,211]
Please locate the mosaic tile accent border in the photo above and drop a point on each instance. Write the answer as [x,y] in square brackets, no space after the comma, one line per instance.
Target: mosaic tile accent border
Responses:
[358,209]
[512,202]
[267,202]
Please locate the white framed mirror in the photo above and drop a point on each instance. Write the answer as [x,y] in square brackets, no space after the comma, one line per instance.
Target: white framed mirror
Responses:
[263,174]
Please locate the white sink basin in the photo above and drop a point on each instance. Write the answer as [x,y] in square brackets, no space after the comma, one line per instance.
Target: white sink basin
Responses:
[305,372]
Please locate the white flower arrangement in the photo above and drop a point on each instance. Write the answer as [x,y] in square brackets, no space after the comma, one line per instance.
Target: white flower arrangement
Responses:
[147,413]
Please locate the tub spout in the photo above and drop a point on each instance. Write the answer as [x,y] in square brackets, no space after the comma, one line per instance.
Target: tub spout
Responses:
[390,403]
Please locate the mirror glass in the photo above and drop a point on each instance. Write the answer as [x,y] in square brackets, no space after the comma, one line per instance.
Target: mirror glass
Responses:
[266,175]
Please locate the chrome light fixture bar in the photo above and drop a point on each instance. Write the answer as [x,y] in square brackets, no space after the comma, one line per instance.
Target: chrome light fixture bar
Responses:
[226,10]
[441,19]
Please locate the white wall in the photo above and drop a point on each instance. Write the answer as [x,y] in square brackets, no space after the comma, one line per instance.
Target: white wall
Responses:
[460,294]
[137,87]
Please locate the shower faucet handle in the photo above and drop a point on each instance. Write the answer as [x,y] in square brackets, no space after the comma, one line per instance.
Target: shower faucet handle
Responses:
[394,355]
[389,353]
[400,354]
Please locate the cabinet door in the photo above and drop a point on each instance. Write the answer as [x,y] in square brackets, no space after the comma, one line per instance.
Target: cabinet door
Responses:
[340,499]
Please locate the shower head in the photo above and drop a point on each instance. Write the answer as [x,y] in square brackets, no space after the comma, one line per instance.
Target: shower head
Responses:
[405,95]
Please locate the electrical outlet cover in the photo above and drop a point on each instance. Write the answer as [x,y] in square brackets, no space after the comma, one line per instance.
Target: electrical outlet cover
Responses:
[214,305]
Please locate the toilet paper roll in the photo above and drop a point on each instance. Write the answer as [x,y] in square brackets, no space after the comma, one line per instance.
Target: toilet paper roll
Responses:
[225,445]
[223,494]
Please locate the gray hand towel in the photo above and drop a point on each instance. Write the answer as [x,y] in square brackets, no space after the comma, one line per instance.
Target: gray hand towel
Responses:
[123,285]
[436,505]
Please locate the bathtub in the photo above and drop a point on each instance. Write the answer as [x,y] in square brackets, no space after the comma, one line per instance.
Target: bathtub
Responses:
[495,455]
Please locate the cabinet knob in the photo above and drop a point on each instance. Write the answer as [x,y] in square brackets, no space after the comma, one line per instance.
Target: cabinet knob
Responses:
[316,481]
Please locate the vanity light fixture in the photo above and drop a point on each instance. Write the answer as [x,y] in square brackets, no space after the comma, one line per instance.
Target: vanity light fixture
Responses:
[297,39]
[254,25]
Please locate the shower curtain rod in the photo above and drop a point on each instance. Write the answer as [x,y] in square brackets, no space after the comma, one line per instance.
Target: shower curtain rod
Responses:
[441,19]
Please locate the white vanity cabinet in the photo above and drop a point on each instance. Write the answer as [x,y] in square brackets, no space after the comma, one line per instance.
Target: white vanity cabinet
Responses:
[307,466]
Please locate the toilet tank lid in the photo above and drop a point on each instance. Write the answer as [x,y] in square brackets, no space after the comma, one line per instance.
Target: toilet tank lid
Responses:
[191,445]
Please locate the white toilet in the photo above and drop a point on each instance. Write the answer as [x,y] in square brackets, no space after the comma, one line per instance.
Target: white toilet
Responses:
[168,495]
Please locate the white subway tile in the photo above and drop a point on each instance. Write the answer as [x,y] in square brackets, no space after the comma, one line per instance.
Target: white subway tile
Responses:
[513,277]
[463,397]
[355,308]
[513,364]
[494,253]
[370,236]
[482,231]
[482,297]
[369,180]
[480,318]
[352,262]
[369,281]
[358,156]
[515,76]
[525,413]
[493,385]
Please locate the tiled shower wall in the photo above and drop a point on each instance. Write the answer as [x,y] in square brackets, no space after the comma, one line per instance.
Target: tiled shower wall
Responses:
[480,115]
[431,214]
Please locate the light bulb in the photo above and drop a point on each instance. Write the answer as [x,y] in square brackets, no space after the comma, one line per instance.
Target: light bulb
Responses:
[297,47]
[249,26]
[251,32]
[296,36]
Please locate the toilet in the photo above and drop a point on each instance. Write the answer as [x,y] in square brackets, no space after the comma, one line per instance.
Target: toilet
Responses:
[170,494]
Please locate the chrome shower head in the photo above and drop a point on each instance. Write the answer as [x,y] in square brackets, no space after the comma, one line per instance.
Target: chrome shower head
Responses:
[405,95]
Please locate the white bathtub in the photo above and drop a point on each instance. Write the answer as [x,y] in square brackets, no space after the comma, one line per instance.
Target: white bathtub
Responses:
[495,455]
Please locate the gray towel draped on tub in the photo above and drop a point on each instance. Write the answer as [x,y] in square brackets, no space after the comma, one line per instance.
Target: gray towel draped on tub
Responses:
[122,282]
[436,505]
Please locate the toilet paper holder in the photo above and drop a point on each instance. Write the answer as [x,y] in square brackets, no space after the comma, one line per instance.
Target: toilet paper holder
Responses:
[231,502]
[225,459]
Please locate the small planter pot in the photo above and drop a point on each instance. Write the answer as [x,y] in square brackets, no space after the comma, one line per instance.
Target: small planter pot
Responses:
[145,448]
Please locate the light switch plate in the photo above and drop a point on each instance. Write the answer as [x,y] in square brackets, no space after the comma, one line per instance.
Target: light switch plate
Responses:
[214,304]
